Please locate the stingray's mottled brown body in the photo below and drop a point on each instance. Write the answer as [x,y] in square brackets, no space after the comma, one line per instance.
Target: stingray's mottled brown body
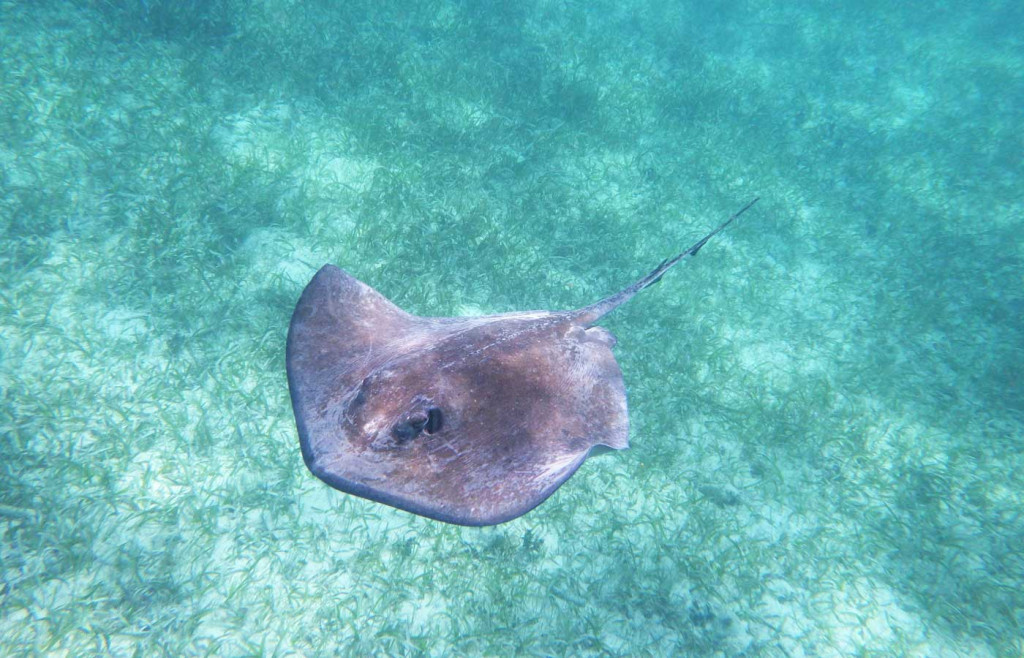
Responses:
[472,421]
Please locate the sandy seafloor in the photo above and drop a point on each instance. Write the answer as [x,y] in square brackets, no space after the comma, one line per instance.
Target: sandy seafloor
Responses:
[827,404]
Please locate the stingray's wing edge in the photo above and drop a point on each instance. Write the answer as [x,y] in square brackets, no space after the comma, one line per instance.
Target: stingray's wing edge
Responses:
[401,503]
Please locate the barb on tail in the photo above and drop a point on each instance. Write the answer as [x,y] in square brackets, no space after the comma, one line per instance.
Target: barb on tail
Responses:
[595,311]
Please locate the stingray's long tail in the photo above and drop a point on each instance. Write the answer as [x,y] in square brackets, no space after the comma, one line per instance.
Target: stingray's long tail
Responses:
[590,314]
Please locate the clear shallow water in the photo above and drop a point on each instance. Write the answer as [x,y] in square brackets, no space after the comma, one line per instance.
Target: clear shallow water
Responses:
[826,403]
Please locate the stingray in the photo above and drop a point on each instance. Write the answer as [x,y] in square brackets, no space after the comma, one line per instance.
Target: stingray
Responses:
[467,420]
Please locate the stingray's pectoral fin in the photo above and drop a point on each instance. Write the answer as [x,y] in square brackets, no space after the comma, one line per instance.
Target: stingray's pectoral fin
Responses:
[615,440]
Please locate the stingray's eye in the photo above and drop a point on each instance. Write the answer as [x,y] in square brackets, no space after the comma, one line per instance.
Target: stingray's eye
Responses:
[406,431]
[435,420]
[427,421]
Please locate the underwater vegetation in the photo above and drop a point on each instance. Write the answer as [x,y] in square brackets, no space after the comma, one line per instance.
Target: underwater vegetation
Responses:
[826,415]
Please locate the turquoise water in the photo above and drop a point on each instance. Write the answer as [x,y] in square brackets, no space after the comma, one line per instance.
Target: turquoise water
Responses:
[827,404]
